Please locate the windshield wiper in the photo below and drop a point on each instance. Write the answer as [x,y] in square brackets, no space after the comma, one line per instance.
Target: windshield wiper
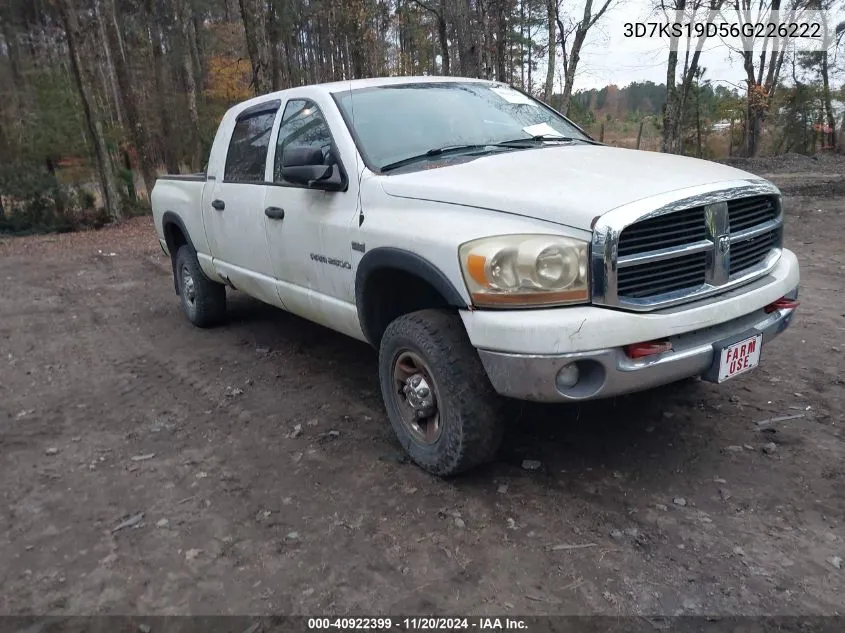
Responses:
[437,151]
[517,143]
[542,138]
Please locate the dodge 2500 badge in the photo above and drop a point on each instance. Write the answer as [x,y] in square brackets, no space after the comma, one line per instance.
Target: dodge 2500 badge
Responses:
[484,245]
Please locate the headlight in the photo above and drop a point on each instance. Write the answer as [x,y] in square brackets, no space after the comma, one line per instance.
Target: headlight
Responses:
[526,270]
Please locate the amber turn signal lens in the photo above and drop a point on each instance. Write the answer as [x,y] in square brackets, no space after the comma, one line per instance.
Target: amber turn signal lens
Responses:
[475,267]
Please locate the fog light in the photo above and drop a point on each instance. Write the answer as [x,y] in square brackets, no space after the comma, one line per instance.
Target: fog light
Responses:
[567,377]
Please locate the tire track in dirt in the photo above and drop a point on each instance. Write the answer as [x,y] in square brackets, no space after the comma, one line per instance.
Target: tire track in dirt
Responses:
[157,372]
[318,469]
[139,374]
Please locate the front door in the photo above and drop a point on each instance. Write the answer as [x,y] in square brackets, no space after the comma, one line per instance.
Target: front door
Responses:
[308,231]
[234,207]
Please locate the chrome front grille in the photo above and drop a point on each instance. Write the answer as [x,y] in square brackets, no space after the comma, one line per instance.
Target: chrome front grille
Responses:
[751,252]
[645,259]
[747,212]
[681,227]
[665,275]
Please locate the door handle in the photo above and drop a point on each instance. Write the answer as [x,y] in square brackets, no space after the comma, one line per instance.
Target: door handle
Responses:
[218,204]
[274,213]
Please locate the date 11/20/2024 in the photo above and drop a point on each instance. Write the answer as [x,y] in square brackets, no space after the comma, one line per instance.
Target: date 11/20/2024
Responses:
[419,623]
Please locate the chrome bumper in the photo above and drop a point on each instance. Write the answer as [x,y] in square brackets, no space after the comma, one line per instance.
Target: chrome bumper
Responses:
[610,372]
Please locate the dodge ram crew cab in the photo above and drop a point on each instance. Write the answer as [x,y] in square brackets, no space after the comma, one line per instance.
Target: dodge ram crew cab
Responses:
[484,245]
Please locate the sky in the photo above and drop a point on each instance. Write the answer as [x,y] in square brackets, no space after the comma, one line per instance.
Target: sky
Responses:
[609,58]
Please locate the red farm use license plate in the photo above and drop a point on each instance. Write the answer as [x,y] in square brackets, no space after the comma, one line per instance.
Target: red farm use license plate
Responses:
[740,357]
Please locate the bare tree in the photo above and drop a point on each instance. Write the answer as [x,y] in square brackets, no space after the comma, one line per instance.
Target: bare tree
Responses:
[577,33]
[439,13]
[762,81]
[128,97]
[10,28]
[109,65]
[677,95]
[10,36]
[108,181]
[183,16]
[159,65]
[823,58]
[275,24]
[828,102]
[159,73]
[255,32]
[468,32]
[551,12]
[197,56]
[502,12]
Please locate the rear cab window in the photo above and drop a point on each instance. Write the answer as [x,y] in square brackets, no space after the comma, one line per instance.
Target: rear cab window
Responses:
[246,158]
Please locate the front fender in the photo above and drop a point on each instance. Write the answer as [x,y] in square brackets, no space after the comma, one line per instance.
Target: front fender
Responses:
[398,259]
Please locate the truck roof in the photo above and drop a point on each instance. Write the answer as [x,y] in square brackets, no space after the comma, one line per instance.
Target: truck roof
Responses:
[352,84]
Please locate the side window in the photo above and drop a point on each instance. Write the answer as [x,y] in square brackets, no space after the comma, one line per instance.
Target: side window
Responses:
[302,125]
[247,154]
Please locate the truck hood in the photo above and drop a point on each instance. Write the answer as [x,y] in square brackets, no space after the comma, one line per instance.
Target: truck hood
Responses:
[566,184]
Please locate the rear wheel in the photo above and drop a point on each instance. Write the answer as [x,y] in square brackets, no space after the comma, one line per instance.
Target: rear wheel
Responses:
[440,403]
[203,300]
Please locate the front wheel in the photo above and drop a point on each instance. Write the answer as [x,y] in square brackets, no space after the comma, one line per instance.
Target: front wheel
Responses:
[440,403]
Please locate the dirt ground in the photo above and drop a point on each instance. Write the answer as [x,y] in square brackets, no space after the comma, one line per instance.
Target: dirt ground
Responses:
[148,467]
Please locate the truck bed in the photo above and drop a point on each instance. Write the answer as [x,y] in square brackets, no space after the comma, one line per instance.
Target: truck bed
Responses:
[179,196]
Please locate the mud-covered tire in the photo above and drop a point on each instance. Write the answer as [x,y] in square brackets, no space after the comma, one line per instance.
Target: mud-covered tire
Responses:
[203,300]
[470,425]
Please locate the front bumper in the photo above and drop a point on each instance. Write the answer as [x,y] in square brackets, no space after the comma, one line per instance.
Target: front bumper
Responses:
[610,372]
[605,369]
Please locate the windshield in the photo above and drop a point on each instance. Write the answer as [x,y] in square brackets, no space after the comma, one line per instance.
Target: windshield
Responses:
[396,122]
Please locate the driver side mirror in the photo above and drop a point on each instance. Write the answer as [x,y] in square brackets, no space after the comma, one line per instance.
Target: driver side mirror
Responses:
[304,166]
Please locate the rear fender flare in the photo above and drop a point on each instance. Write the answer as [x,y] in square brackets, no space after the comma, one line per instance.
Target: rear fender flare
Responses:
[170,218]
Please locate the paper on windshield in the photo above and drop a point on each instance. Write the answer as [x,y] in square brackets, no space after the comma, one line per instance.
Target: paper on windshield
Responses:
[513,96]
[541,129]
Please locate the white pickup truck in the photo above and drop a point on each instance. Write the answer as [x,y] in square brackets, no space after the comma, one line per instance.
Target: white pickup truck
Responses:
[484,245]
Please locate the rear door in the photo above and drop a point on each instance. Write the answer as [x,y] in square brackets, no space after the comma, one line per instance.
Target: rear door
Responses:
[234,206]
[309,230]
